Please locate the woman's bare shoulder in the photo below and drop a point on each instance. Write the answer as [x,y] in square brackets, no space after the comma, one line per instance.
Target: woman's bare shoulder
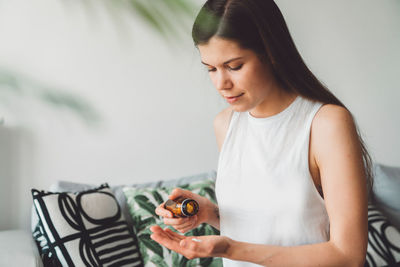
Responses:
[331,118]
[333,130]
[221,125]
[331,113]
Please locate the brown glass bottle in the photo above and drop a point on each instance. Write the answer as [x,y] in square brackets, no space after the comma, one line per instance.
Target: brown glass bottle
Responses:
[182,207]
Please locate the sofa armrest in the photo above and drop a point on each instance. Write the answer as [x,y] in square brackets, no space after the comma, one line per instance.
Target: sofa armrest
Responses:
[17,248]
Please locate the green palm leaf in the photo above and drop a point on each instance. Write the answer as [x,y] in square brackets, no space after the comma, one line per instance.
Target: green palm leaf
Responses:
[217,262]
[157,196]
[143,252]
[147,15]
[211,194]
[145,204]
[202,192]
[199,185]
[205,261]
[182,262]
[194,232]
[175,259]
[166,190]
[136,222]
[184,6]
[159,261]
[141,225]
[185,186]
[192,263]
[152,245]
[209,230]
[201,230]
[169,27]
[165,16]
[53,97]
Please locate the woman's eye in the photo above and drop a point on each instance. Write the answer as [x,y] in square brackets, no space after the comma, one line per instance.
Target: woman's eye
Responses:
[211,70]
[236,68]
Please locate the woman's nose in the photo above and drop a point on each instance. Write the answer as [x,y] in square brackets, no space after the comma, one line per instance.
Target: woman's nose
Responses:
[223,81]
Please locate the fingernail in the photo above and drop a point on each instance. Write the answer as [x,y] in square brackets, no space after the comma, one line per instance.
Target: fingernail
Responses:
[151,236]
[183,243]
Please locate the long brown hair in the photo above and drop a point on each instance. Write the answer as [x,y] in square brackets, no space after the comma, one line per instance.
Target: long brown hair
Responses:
[259,25]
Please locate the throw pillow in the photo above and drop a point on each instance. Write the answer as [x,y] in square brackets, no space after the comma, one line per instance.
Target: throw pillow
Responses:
[383,240]
[386,191]
[47,257]
[85,228]
[142,203]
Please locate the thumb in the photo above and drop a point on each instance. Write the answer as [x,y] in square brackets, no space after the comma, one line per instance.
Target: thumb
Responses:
[179,192]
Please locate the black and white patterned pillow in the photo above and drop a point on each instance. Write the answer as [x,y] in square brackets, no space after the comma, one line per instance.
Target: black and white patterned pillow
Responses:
[83,229]
[383,240]
[48,258]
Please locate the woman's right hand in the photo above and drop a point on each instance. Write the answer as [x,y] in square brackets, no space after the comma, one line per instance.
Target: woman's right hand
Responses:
[188,223]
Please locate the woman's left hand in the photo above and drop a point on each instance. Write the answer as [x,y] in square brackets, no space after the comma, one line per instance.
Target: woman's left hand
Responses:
[191,246]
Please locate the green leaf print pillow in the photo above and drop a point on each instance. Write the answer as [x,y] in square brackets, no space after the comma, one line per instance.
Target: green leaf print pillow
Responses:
[142,203]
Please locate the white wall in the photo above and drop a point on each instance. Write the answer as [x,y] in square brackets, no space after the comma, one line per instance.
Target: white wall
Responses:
[157,102]
[353,47]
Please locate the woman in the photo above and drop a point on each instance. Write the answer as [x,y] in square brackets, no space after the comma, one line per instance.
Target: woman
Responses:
[293,170]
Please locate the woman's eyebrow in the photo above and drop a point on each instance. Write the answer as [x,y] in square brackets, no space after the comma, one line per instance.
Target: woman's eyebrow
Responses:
[226,62]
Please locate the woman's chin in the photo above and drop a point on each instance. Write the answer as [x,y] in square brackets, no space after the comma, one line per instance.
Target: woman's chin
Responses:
[240,108]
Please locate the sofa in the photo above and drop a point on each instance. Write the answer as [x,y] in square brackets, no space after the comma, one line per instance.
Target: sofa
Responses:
[19,248]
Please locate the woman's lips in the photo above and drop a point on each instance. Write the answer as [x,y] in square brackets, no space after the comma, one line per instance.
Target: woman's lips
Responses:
[232,99]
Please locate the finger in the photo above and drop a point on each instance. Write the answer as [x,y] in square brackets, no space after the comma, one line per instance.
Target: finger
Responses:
[175,221]
[156,229]
[186,226]
[161,211]
[185,230]
[181,221]
[179,192]
[183,227]
[173,235]
[164,239]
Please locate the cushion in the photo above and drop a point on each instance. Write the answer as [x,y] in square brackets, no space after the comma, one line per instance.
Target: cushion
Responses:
[383,240]
[142,203]
[86,228]
[386,191]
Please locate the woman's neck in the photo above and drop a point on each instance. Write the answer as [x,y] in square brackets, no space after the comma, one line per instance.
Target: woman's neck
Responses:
[273,104]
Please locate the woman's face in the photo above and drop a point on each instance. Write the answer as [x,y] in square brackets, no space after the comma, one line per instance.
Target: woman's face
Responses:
[238,74]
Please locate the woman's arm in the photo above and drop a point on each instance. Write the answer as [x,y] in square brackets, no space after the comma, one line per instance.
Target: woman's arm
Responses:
[213,214]
[338,157]
[322,254]
[221,125]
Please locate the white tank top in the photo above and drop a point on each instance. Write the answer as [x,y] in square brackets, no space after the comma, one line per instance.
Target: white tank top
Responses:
[264,188]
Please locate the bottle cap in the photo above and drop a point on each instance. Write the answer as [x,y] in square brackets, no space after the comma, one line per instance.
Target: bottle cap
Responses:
[189,207]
